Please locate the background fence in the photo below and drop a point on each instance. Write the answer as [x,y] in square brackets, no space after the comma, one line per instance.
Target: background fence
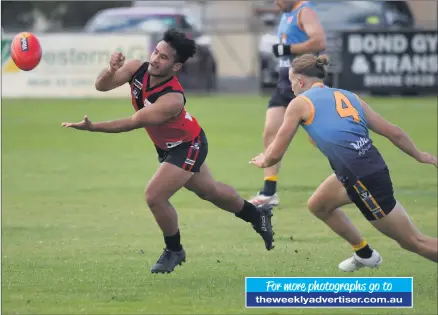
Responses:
[73,56]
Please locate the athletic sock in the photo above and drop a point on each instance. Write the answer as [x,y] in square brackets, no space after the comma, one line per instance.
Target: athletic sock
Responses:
[173,242]
[270,187]
[363,250]
[248,213]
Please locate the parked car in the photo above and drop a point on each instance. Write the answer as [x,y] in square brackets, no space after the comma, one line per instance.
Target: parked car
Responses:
[355,15]
[199,72]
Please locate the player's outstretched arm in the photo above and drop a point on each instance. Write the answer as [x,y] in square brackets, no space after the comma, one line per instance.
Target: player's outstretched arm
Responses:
[118,73]
[396,135]
[164,109]
[297,111]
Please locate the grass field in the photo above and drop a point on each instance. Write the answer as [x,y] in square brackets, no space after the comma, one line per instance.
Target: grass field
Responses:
[77,236]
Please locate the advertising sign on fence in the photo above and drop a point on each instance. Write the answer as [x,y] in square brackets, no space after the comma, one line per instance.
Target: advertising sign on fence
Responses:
[391,62]
[70,65]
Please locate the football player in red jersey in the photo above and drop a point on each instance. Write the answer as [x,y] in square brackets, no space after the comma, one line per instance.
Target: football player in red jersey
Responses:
[158,99]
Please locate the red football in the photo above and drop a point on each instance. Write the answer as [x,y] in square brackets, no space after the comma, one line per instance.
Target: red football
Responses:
[26,51]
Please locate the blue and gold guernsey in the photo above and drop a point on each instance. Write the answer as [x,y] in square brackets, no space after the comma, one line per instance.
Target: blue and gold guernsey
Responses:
[339,129]
[290,32]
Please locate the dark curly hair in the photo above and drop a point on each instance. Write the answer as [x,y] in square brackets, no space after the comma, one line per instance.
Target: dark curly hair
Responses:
[185,47]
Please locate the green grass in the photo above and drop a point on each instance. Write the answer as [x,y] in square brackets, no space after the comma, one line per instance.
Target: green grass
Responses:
[78,238]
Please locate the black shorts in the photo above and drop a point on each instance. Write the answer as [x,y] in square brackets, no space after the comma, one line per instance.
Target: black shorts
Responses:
[373,195]
[282,96]
[188,155]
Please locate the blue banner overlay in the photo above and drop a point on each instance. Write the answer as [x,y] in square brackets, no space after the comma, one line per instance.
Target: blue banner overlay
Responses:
[329,292]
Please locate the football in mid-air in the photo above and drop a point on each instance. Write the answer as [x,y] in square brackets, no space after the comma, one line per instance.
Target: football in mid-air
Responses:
[26,51]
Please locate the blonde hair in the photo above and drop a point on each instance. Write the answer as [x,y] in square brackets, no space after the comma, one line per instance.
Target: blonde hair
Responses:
[311,66]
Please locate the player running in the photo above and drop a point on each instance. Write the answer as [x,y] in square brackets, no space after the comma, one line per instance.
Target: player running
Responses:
[338,122]
[181,144]
[299,32]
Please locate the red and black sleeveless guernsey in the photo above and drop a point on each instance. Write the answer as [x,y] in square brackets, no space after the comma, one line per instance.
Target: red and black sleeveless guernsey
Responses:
[180,129]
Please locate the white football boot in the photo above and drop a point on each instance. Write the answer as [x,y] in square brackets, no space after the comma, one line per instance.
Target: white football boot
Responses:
[354,263]
[261,199]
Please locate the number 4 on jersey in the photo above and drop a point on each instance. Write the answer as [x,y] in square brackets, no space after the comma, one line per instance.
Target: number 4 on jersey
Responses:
[344,107]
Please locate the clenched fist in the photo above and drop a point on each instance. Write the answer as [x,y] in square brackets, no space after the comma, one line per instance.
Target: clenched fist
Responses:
[117,60]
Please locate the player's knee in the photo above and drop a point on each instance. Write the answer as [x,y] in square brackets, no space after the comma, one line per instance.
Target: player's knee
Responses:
[151,201]
[408,245]
[412,243]
[152,198]
[314,205]
[318,208]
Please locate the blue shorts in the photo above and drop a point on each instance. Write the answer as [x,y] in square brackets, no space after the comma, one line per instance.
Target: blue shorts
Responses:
[283,93]
[373,194]
[282,96]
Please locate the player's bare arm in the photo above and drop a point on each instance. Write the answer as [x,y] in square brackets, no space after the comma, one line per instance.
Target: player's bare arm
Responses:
[165,108]
[310,23]
[396,135]
[118,72]
[297,112]
[313,28]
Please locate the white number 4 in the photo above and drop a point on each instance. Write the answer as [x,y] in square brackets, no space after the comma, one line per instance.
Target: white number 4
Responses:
[188,116]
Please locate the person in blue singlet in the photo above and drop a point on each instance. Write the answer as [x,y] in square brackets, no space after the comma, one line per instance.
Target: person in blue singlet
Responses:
[299,32]
[338,123]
